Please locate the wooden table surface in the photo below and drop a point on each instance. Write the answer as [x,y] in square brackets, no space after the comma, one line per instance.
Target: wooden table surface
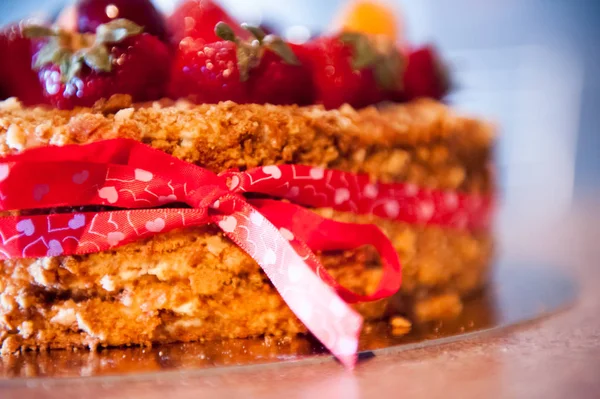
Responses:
[555,357]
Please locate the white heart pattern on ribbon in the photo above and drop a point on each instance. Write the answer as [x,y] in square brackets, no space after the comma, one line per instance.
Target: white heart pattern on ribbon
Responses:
[77,222]
[269,257]
[294,191]
[26,227]
[425,210]
[256,219]
[317,173]
[81,177]
[109,193]
[370,191]
[54,248]
[115,237]
[143,175]
[288,235]
[341,195]
[451,200]
[392,209]
[272,171]
[39,191]
[410,189]
[167,198]
[4,171]
[233,182]
[228,224]
[156,225]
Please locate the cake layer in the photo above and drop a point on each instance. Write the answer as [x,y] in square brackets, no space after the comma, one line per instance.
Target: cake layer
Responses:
[194,283]
[422,142]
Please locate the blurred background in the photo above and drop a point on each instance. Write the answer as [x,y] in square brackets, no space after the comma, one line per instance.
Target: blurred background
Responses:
[531,66]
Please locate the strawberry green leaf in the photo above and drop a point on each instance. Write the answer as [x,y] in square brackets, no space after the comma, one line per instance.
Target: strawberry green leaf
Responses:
[98,58]
[257,32]
[388,70]
[50,53]
[117,30]
[282,49]
[364,55]
[64,65]
[37,31]
[386,76]
[381,56]
[225,32]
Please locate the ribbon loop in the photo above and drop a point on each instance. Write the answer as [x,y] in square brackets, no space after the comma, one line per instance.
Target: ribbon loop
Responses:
[309,232]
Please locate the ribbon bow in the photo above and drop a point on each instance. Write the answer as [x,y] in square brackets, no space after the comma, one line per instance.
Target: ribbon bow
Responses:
[279,236]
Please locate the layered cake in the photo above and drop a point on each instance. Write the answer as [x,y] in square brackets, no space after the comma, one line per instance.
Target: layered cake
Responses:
[245,101]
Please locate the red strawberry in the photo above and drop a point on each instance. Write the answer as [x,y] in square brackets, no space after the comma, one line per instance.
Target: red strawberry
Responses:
[262,71]
[78,70]
[276,82]
[425,75]
[349,69]
[196,19]
[207,74]
[92,13]
[17,79]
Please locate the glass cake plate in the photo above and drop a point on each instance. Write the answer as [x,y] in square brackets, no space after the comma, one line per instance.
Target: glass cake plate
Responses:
[517,293]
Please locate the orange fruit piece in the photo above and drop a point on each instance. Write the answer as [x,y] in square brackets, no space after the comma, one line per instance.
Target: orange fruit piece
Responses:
[370,17]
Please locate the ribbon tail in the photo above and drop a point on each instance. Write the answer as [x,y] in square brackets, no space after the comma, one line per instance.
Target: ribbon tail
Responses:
[331,320]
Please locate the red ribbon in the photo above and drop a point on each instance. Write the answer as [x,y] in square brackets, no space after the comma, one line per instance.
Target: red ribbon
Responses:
[280,236]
